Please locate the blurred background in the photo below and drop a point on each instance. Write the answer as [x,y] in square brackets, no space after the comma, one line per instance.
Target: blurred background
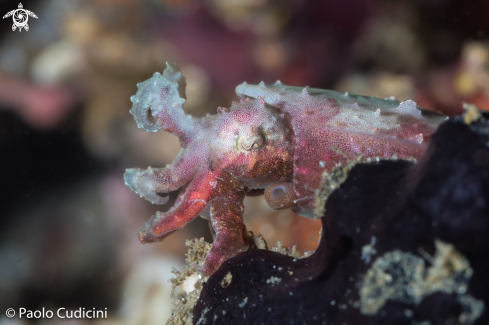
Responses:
[69,225]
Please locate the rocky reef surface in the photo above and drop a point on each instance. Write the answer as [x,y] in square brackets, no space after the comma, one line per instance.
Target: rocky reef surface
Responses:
[402,243]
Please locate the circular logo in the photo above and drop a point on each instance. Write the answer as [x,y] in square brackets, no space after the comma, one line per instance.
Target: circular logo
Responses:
[10,312]
[20,17]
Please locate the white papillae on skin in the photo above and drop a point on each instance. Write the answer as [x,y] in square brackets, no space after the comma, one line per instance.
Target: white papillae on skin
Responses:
[276,134]
[325,120]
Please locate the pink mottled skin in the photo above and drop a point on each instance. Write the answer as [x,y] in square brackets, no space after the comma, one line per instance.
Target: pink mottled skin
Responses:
[277,138]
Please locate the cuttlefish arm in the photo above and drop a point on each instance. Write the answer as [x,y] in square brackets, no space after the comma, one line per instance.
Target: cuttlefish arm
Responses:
[226,217]
[152,182]
[158,104]
[225,203]
[192,200]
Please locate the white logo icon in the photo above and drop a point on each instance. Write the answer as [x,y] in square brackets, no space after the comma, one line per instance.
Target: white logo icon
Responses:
[20,16]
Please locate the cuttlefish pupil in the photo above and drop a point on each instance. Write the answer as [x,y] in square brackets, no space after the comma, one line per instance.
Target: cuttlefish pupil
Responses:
[255,143]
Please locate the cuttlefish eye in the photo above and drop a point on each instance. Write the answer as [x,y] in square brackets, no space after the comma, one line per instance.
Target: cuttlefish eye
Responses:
[255,142]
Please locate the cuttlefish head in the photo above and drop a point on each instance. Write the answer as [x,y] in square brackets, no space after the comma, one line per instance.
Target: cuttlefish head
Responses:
[253,142]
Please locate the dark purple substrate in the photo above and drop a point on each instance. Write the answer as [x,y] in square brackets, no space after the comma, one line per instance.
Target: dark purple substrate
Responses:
[406,207]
